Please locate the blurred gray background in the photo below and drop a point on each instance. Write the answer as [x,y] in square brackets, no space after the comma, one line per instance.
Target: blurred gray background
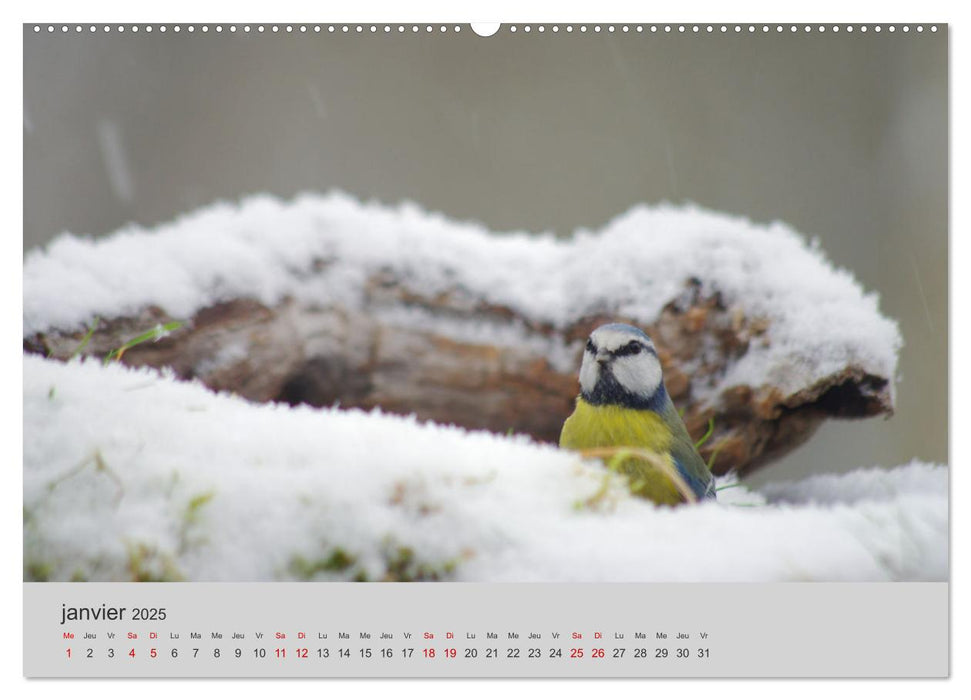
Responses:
[843,136]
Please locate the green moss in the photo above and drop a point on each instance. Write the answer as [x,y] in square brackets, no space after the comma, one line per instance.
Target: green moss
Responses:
[147,564]
[338,560]
[195,505]
[401,564]
[37,571]
[190,518]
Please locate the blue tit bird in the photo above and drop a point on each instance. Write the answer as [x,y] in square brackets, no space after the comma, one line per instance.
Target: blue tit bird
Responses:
[623,404]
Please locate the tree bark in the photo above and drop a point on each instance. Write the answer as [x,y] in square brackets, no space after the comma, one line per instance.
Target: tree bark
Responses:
[413,355]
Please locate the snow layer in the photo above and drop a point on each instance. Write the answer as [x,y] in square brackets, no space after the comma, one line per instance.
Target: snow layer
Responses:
[820,318]
[132,474]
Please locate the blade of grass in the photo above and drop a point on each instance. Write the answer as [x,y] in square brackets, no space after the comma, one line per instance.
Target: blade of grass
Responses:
[85,339]
[160,331]
[704,438]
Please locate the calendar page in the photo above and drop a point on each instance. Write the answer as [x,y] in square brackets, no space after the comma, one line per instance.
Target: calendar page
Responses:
[549,350]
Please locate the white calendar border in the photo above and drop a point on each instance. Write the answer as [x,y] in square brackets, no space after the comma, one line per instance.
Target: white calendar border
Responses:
[831,11]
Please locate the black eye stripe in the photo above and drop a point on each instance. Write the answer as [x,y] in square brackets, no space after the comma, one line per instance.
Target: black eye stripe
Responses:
[633,348]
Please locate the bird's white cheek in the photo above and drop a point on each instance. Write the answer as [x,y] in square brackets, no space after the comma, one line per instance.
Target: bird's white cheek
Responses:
[639,375]
[589,374]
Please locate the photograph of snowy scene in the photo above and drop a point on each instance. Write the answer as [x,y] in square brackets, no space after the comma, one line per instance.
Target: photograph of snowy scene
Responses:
[618,305]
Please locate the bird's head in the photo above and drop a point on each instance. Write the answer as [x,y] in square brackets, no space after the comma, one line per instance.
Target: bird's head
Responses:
[620,366]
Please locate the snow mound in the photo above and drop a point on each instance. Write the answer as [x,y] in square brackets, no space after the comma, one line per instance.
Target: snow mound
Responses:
[132,475]
[819,318]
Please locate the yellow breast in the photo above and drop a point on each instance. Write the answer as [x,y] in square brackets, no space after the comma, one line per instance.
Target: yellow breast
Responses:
[592,426]
[614,426]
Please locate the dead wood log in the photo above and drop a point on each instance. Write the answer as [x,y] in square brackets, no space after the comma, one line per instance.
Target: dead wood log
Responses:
[450,359]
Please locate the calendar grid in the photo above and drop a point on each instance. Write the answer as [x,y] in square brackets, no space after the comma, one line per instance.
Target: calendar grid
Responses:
[475,630]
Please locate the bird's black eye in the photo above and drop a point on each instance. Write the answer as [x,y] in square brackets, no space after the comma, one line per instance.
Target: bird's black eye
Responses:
[632,348]
[591,347]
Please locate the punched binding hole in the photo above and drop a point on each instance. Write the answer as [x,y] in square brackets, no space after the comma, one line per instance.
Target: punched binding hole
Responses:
[485,28]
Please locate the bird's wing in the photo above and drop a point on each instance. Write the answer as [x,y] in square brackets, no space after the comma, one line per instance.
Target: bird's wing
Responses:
[686,458]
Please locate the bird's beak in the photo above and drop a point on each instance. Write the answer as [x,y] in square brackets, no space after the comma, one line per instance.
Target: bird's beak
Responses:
[602,358]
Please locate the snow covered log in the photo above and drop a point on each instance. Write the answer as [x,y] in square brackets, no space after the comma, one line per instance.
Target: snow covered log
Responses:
[133,476]
[326,300]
